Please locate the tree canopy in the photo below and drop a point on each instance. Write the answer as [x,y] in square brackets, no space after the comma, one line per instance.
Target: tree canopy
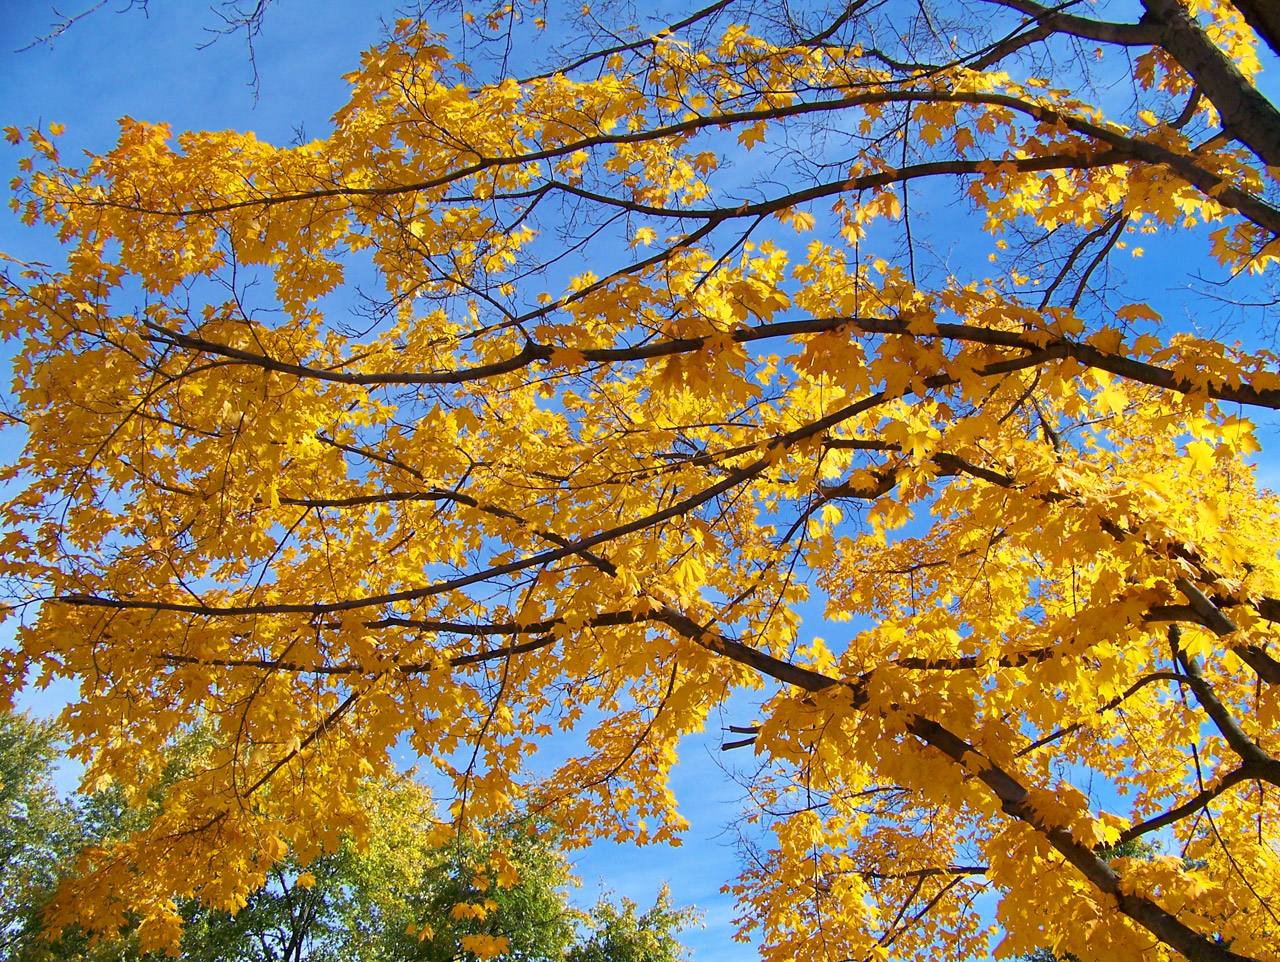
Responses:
[36,830]
[400,894]
[557,393]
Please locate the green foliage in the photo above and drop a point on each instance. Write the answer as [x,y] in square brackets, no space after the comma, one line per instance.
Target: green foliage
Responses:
[407,895]
[532,914]
[37,830]
[1045,955]
[620,935]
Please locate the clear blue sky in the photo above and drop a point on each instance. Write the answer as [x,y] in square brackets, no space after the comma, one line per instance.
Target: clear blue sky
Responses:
[111,64]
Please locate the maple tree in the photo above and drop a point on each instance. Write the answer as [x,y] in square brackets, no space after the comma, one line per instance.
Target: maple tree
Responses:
[598,435]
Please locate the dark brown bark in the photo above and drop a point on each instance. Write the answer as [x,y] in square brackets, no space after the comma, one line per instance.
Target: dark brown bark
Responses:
[1264,17]
[1247,116]
[1086,354]
[1055,20]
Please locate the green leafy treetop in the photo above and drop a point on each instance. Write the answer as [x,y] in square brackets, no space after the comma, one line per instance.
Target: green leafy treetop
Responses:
[621,935]
[36,829]
[415,891]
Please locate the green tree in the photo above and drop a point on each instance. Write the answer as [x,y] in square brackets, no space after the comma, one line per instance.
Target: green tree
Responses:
[621,935]
[400,899]
[415,891]
[38,831]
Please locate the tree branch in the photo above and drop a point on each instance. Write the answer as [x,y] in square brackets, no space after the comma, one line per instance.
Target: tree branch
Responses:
[1247,115]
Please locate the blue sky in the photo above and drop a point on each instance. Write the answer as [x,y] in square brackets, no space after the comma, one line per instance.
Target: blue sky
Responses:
[112,64]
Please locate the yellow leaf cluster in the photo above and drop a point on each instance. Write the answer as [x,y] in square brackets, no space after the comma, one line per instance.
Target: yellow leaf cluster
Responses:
[609,450]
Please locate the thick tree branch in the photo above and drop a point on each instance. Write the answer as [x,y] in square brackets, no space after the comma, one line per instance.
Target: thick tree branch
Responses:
[1247,115]
[1016,801]
[1014,798]
[1190,807]
[606,620]
[1264,17]
[1126,147]
[1260,763]
[1049,345]
[775,447]
[1103,31]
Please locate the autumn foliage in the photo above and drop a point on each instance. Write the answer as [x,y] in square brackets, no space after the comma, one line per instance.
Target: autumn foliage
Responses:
[565,405]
